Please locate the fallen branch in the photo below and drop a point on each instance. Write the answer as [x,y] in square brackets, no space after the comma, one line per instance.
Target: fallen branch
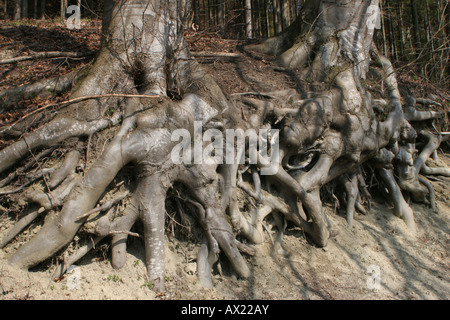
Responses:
[432,193]
[106,206]
[204,54]
[49,54]
[258,94]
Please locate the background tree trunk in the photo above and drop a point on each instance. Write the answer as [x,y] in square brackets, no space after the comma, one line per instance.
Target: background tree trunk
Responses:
[63,10]
[416,28]
[285,13]
[43,3]
[35,9]
[268,27]
[24,9]
[248,19]
[277,16]
[221,14]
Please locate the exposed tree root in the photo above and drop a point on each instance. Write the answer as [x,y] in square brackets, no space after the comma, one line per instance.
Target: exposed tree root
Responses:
[20,171]
[67,167]
[431,192]
[439,171]
[401,207]
[28,218]
[56,131]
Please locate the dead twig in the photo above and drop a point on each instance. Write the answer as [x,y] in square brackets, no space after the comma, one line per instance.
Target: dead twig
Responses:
[40,168]
[106,206]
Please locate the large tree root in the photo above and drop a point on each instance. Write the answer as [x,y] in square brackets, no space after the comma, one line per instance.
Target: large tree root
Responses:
[410,166]
[57,131]
[401,207]
[29,216]
[150,196]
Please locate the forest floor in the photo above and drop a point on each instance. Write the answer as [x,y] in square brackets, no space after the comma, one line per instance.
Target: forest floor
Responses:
[409,267]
